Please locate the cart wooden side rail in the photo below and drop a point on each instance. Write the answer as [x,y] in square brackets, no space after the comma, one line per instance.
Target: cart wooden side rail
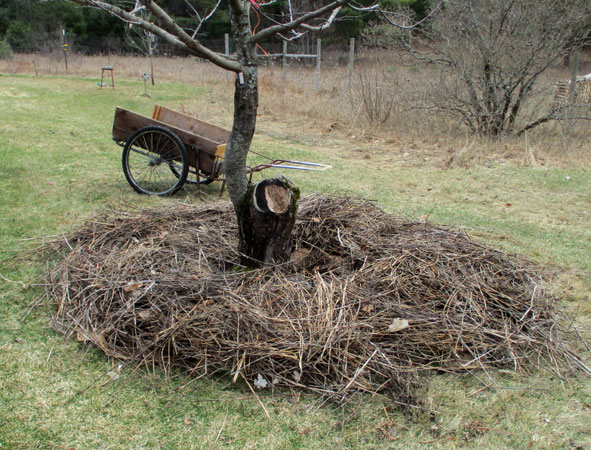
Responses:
[163,152]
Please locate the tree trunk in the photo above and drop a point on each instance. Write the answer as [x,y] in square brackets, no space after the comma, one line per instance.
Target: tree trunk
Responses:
[266,218]
[243,126]
[246,102]
[265,212]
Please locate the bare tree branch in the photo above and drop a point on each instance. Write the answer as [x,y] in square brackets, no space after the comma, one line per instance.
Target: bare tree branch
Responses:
[387,14]
[192,45]
[325,25]
[205,19]
[170,31]
[130,17]
[300,22]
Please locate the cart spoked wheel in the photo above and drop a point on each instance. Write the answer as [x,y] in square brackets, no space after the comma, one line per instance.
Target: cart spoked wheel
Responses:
[155,161]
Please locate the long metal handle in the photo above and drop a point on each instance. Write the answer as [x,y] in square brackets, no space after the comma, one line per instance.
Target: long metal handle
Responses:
[320,169]
[315,167]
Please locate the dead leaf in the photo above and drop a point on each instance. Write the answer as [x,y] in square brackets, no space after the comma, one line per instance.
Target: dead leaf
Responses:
[113,374]
[299,253]
[81,337]
[398,325]
[187,421]
[89,335]
[144,314]
[132,286]
[101,341]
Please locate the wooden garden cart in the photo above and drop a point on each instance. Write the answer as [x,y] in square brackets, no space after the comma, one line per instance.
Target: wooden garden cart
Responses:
[163,152]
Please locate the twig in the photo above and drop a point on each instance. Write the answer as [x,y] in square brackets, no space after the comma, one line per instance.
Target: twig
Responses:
[531,305]
[256,396]
[357,372]
[94,382]
[67,243]
[222,427]
[22,285]
[310,323]
[472,394]
[581,338]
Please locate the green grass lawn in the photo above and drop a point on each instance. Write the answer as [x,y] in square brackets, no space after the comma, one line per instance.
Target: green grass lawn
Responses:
[58,165]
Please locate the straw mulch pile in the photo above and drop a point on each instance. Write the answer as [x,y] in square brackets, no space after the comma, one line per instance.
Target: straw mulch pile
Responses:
[367,302]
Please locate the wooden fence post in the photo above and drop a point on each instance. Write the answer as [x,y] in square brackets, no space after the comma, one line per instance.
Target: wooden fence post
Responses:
[573,87]
[284,63]
[318,52]
[351,61]
[65,47]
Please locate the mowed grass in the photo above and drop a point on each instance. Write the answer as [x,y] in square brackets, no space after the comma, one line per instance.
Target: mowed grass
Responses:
[58,166]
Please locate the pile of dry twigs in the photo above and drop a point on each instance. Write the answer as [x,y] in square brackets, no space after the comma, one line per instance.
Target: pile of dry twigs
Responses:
[367,302]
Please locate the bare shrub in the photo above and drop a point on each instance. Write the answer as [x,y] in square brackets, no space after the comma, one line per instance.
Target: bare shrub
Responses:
[376,93]
[492,55]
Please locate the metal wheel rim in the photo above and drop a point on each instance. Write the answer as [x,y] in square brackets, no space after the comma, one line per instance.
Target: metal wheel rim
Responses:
[151,161]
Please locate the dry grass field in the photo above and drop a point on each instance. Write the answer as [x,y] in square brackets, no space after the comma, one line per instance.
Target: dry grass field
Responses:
[291,108]
[528,195]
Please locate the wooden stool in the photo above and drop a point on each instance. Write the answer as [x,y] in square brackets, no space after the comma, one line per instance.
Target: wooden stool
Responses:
[109,69]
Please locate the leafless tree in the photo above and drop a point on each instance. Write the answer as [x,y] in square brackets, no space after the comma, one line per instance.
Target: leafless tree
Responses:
[492,54]
[141,39]
[245,66]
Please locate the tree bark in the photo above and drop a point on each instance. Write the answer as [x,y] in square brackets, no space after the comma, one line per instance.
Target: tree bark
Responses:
[246,102]
[243,126]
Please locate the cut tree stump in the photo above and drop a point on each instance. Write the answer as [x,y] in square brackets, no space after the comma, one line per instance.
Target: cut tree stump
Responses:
[266,220]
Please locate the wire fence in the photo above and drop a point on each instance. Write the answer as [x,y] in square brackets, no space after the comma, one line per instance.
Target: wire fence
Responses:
[93,45]
[72,51]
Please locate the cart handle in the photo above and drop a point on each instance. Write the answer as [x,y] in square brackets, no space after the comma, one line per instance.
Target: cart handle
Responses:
[281,163]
